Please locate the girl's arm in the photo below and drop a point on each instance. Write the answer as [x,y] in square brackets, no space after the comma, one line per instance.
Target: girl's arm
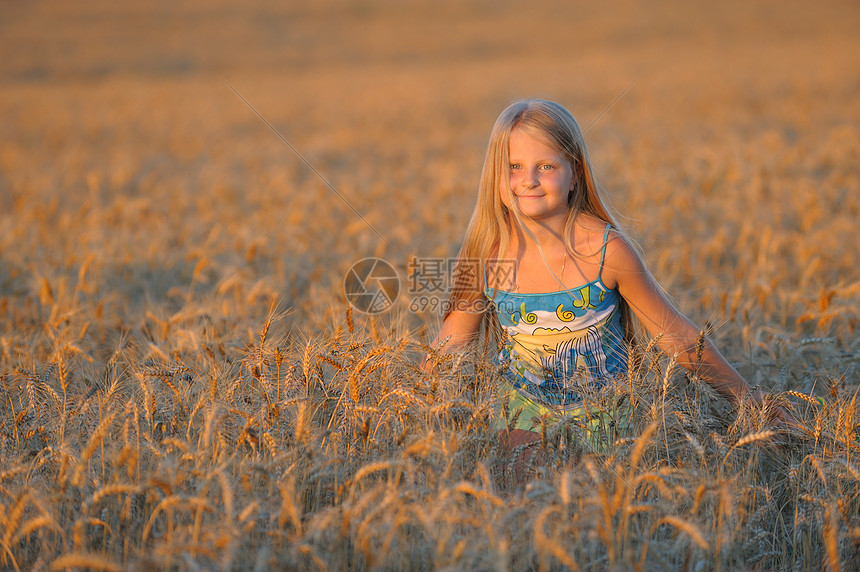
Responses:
[460,328]
[679,335]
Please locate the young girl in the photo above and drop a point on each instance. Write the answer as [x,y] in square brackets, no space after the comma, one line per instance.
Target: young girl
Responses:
[561,278]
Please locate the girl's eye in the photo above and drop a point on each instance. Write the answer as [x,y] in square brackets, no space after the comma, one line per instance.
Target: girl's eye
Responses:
[547,167]
[514,166]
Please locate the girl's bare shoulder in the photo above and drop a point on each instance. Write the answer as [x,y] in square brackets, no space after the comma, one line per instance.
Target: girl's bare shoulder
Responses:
[589,233]
[623,260]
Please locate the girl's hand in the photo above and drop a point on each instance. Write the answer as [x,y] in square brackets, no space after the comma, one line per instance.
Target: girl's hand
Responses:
[428,364]
[458,330]
[776,415]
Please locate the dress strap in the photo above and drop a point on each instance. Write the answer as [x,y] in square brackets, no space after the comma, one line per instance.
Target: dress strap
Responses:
[487,290]
[603,251]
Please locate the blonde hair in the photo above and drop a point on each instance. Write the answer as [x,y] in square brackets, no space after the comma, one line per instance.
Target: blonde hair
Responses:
[489,231]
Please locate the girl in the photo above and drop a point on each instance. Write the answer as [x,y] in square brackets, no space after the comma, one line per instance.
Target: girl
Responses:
[561,278]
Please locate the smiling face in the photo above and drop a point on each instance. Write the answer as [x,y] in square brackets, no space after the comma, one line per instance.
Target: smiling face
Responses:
[541,178]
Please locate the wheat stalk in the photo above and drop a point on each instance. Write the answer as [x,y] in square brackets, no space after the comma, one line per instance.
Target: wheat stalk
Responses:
[544,544]
[831,544]
[687,527]
[109,490]
[84,560]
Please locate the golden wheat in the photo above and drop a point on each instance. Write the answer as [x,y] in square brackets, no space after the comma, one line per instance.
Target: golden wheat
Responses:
[185,386]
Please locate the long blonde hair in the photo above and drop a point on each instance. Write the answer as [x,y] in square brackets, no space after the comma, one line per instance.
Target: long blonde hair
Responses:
[489,232]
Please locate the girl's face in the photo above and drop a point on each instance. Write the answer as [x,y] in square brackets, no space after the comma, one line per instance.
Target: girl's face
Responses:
[541,179]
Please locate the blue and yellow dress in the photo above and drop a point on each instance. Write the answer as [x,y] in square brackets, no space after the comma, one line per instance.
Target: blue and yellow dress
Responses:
[557,344]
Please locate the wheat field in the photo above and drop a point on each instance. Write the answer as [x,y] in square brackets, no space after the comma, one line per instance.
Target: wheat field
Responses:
[184,385]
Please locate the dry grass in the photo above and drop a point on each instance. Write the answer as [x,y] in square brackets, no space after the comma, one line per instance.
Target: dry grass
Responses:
[183,386]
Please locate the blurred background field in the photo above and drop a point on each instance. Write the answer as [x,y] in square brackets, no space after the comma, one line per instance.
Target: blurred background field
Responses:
[150,221]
